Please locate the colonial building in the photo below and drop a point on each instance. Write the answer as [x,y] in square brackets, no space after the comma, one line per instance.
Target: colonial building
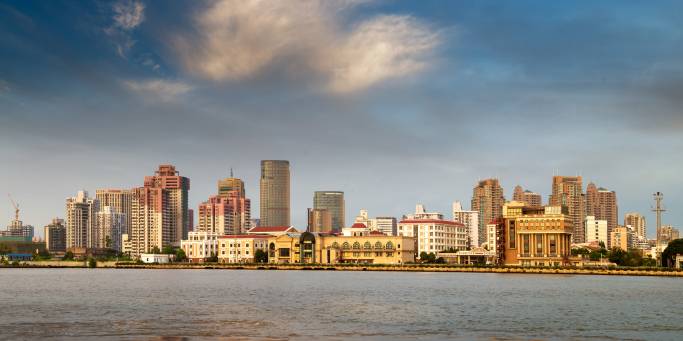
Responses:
[434,235]
[200,245]
[536,236]
[241,248]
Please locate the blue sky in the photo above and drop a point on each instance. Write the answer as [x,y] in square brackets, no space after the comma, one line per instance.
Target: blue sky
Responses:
[395,103]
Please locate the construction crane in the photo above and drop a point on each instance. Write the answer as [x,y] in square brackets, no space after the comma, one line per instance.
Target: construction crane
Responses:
[16,207]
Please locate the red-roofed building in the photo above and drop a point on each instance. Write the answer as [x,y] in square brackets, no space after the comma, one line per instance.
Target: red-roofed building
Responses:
[272,230]
[356,230]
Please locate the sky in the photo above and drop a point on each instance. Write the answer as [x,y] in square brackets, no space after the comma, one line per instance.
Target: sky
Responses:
[393,102]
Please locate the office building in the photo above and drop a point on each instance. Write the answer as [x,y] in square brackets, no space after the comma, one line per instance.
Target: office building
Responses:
[119,200]
[596,231]
[227,214]
[333,202]
[274,193]
[227,185]
[319,220]
[568,191]
[487,201]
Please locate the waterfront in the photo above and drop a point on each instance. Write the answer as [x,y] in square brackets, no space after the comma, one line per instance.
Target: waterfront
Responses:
[304,305]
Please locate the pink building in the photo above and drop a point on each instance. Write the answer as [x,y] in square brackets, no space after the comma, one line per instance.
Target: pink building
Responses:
[227,214]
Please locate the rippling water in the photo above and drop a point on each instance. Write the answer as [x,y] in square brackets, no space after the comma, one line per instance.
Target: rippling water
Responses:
[311,305]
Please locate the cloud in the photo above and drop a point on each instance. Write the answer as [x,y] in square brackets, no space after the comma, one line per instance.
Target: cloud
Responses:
[127,16]
[4,86]
[237,40]
[154,89]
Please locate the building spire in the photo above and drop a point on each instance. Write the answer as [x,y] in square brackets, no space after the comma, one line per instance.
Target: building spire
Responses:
[231,173]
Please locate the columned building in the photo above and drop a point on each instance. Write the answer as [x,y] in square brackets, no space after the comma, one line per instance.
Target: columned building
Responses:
[568,191]
[274,193]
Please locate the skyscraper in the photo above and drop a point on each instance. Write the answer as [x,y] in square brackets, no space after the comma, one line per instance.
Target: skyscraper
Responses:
[602,204]
[55,236]
[159,212]
[231,184]
[81,221]
[333,202]
[110,224]
[636,220]
[319,220]
[568,191]
[226,214]
[119,200]
[530,198]
[274,193]
[488,201]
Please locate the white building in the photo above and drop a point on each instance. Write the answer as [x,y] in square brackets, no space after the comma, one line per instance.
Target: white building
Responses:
[433,235]
[596,230]
[110,225]
[491,241]
[81,222]
[386,225]
[421,213]
[471,221]
[200,245]
[155,258]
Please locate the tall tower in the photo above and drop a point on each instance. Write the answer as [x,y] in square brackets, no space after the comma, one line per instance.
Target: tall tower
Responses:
[120,202]
[602,204]
[274,193]
[488,201]
[658,209]
[568,191]
[230,184]
[333,202]
[636,220]
[159,212]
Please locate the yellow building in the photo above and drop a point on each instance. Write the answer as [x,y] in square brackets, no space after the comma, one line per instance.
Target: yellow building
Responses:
[620,237]
[309,247]
[536,236]
[241,248]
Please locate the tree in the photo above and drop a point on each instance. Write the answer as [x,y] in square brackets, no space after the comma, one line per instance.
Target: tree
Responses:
[155,250]
[674,248]
[92,263]
[617,255]
[213,258]
[180,255]
[581,251]
[595,255]
[42,255]
[107,242]
[68,256]
[4,249]
[261,256]
[427,257]
[168,250]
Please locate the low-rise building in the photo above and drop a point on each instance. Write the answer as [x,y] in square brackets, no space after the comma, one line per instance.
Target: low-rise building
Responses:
[200,246]
[241,248]
[434,235]
[150,258]
[477,255]
[272,230]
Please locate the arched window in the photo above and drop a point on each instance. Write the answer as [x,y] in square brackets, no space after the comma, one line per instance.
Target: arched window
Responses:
[335,245]
[356,246]
[346,246]
[378,245]
[367,245]
[390,245]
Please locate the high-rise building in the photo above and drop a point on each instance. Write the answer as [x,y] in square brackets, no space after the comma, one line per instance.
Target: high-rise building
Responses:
[596,231]
[110,225]
[274,193]
[226,214]
[81,221]
[227,185]
[120,202]
[568,191]
[469,219]
[621,237]
[487,200]
[602,204]
[333,202]
[636,220]
[319,220]
[667,233]
[55,236]
[531,199]
[159,212]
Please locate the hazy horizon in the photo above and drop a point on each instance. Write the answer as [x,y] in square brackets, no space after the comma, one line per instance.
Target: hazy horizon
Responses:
[394,103]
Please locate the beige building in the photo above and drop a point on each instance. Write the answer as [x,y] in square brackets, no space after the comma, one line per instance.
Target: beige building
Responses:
[200,245]
[241,248]
[602,204]
[329,249]
[621,237]
[530,198]
[536,236]
[487,201]
[81,221]
[596,231]
[274,193]
[319,220]
[636,220]
[120,200]
[470,219]
[568,191]
[110,225]
[231,184]
[333,202]
[434,235]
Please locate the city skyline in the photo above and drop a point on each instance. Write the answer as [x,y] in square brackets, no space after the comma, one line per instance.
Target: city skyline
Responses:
[550,89]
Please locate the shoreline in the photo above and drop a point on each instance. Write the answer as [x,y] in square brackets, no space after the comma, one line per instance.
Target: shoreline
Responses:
[353,267]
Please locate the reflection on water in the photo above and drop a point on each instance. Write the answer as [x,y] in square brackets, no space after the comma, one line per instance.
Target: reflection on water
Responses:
[174,305]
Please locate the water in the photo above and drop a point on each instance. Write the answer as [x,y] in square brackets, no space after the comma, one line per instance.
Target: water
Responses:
[113,304]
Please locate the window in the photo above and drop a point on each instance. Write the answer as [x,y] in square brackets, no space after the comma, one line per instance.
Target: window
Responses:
[335,245]
[511,235]
[356,245]
[390,245]
[346,246]
[539,244]
[284,252]
[378,245]
[367,245]
[525,244]
[553,244]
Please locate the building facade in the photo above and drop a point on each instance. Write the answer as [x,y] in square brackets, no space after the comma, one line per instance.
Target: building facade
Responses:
[55,236]
[636,220]
[531,199]
[602,204]
[568,191]
[81,221]
[471,220]
[227,185]
[487,201]
[200,246]
[275,193]
[227,214]
[621,237]
[536,236]
[333,202]
[110,225]
[120,201]
[596,231]
[159,211]
[434,235]
[319,220]
[241,248]
[386,225]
